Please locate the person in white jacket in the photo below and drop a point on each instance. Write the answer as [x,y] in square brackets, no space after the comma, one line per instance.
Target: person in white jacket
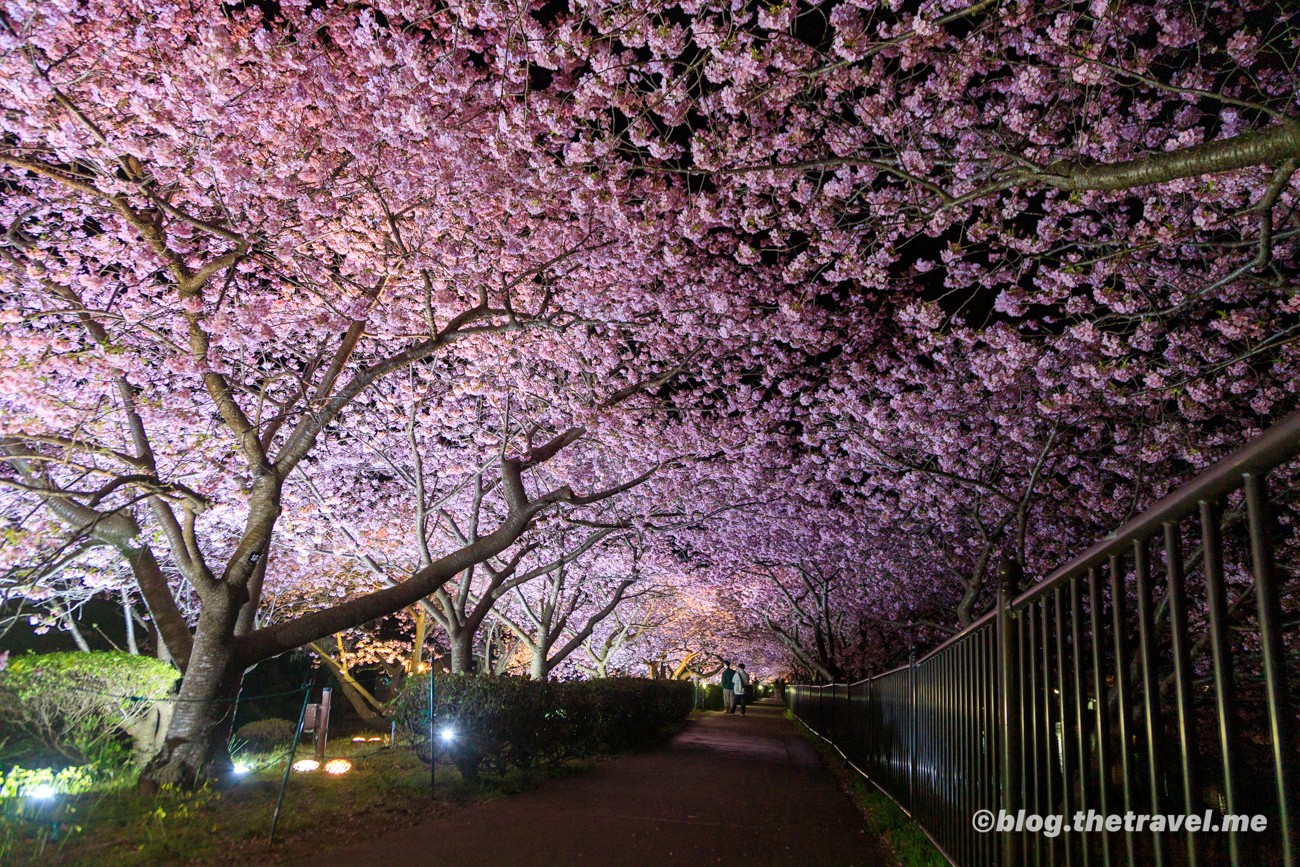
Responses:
[741,687]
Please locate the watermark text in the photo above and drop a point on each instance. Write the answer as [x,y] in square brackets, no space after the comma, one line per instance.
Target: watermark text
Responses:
[1053,825]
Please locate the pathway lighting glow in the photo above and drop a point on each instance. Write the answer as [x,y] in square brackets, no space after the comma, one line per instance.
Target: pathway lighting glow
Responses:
[358,740]
[241,768]
[306,765]
[447,734]
[338,766]
[43,792]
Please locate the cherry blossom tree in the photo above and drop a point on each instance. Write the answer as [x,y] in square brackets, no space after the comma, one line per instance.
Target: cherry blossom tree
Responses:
[207,271]
[318,313]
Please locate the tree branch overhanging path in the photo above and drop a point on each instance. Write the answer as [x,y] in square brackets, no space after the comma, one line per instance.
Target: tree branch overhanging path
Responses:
[620,340]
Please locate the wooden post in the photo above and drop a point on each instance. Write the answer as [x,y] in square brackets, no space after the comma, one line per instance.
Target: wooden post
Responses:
[323,723]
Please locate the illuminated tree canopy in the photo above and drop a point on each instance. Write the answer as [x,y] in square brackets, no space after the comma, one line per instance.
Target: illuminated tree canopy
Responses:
[628,335]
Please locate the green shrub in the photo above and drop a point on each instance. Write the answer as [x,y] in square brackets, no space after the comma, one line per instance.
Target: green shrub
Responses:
[82,705]
[265,735]
[22,782]
[503,721]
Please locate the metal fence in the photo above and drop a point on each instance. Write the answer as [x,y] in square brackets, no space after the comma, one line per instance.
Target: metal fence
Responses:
[1149,675]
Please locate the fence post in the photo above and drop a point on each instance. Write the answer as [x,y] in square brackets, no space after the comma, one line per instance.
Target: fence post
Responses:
[1009,575]
[911,728]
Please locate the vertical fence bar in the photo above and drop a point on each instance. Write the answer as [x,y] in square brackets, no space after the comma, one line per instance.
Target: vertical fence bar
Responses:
[1081,746]
[911,728]
[1100,702]
[1036,726]
[1062,741]
[1049,729]
[992,769]
[1216,603]
[1274,657]
[1122,688]
[970,700]
[1183,697]
[1025,667]
[1150,687]
[1010,723]
[969,805]
[952,721]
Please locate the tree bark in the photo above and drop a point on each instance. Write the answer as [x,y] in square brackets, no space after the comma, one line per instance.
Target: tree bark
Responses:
[1271,145]
[462,652]
[538,669]
[195,745]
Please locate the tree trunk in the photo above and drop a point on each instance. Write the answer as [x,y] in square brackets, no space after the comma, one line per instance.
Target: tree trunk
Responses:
[362,702]
[538,669]
[195,747]
[149,734]
[462,652]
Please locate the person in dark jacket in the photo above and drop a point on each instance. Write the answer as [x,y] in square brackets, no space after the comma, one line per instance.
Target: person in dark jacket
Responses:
[728,688]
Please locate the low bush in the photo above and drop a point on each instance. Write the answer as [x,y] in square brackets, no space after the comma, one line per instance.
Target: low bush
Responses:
[265,735]
[83,705]
[504,721]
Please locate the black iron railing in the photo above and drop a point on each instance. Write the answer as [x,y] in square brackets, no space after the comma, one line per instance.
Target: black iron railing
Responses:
[1149,675]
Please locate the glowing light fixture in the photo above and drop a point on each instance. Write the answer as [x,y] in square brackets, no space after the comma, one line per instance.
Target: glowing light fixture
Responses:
[306,765]
[338,766]
[241,768]
[43,791]
[358,740]
[448,734]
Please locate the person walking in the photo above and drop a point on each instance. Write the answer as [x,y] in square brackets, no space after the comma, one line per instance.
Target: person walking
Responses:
[728,684]
[740,686]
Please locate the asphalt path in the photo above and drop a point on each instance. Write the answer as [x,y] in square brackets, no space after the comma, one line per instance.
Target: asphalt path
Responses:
[724,790]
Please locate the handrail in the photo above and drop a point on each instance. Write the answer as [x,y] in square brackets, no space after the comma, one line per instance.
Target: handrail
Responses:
[1277,444]
[1072,695]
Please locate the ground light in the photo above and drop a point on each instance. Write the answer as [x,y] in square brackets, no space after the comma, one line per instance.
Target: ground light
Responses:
[306,765]
[241,768]
[43,792]
[338,766]
[447,734]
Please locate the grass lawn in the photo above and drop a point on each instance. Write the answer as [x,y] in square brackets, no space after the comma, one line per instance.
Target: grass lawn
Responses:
[117,826]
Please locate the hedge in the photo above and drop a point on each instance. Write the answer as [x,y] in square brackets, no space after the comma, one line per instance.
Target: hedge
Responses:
[79,705]
[265,735]
[504,721]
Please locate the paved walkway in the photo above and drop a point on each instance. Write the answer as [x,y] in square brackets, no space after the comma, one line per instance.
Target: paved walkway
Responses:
[725,790]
